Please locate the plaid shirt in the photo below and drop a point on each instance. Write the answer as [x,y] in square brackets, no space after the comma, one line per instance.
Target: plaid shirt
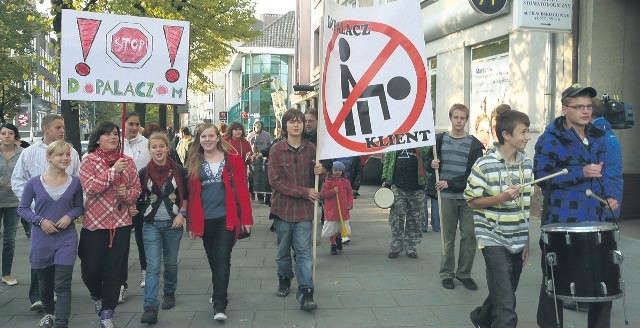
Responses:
[291,176]
[99,183]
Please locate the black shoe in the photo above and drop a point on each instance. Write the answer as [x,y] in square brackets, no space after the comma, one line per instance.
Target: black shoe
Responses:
[334,250]
[339,243]
[468,283]
[284,284]
[474,319]
[168,301]
[150,315]
[448,283]
[272,228]
[306,301]
[393,255]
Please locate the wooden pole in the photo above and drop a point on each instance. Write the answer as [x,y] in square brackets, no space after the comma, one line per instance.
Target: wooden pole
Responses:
[435,157]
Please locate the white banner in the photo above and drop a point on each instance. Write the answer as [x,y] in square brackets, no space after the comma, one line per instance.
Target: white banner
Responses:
[374,80]
[117,58]
[489,88]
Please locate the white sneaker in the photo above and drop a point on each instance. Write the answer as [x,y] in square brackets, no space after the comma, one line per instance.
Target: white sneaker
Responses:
[210,300]
[123,294]
[9,280]
[36,306]
[219,316]
[143,278]
[346,240]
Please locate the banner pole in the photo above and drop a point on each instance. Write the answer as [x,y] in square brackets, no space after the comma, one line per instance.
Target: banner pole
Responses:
[435,157]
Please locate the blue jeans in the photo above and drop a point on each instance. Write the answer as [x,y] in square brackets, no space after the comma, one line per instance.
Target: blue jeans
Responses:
[9,218]
[298,235]
[161,244]
[435,213]
[503,276]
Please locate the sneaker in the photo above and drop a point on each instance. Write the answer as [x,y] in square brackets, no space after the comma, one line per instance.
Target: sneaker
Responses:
[106,319]
[468,283]
[143,278]
[219,315]
[36,306]
[97,306]
[284,284]
[150,315]
[334,250]
[9,280]
[169,301]
[448,283]
[346,240]
[47,321]
[123,294]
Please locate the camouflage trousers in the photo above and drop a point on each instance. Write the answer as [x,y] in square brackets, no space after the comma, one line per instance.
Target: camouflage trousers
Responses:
[406,219]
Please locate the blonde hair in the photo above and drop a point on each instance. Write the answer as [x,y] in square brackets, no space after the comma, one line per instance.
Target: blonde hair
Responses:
[195,156]
[159,136]
[58,147]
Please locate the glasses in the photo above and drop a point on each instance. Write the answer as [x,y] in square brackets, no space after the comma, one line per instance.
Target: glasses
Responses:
[581,107]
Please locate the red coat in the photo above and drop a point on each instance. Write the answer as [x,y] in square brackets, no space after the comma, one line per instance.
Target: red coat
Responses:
[195,213]
[345,193]
[242,146]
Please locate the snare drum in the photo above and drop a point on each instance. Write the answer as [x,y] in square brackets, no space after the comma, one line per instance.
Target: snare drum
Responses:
[260,176]
[582,262]
[384,198]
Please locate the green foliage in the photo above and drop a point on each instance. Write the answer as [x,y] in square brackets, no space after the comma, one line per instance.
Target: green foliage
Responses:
[17,57]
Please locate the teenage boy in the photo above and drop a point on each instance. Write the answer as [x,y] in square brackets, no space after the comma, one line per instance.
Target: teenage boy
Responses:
[291,175]
[457,151]
[500,206]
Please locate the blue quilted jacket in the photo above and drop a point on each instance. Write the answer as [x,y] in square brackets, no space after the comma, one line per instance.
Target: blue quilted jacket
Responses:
[565,199]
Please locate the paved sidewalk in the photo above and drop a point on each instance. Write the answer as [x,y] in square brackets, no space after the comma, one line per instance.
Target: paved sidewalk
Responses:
[359,288]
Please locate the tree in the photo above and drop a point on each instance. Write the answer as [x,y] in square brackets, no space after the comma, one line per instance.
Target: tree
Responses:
[17,57]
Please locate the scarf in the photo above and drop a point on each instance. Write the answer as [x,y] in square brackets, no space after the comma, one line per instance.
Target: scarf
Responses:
[109,156]
[159,175]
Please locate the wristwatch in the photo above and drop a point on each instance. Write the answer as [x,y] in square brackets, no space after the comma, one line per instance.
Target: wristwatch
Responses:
[183,213]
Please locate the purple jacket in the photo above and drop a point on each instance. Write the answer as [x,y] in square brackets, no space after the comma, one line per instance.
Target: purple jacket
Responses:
[61,247]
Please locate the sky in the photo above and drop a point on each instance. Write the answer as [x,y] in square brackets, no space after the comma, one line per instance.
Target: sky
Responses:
[274,6]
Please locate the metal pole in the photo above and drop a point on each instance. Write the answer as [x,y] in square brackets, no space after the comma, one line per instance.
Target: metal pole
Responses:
[30,114]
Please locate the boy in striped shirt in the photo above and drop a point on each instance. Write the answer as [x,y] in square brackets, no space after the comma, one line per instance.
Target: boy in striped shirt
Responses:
[500,202]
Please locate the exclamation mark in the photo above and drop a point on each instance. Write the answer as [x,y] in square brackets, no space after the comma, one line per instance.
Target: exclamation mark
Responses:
[173,35]
[87,28]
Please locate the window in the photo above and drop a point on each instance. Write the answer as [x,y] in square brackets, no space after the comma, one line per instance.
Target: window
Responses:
[432,63]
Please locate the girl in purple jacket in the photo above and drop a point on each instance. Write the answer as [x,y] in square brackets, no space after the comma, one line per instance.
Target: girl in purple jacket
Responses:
[336,184]
[57,198]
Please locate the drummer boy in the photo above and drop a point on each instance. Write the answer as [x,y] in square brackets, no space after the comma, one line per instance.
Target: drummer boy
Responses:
[499,192]
[571,141]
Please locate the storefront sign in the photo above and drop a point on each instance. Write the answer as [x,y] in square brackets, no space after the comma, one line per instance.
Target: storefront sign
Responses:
[548,15]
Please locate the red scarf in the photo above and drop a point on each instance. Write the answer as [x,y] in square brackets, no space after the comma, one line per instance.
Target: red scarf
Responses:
[159,175]
[109,156]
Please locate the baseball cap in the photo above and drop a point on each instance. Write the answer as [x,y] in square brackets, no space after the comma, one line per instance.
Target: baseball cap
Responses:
[578,89]
[337,165]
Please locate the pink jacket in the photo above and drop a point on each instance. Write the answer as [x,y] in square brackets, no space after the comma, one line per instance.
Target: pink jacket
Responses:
[345,193]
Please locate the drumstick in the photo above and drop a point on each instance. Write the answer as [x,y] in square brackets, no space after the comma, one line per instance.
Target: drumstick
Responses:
[600,199]
[561,172]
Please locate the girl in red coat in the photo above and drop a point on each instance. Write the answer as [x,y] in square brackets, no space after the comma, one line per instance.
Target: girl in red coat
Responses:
[336,184]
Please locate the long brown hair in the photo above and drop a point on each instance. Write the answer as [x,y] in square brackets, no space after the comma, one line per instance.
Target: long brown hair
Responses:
[195,156]
[228,134]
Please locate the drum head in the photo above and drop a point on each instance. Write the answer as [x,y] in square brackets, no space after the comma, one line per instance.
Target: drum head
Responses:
[383,198]
[579,227]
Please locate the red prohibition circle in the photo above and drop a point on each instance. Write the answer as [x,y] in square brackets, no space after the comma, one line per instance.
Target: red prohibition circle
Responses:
[397,39]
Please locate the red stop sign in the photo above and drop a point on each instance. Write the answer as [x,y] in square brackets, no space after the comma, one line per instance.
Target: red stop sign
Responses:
[129,45]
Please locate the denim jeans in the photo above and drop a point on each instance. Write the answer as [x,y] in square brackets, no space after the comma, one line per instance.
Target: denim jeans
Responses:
[298,235]
[9,219]
[503,276]
[161,244]
[456,213]
[56,278]
[218,244]
[435,213]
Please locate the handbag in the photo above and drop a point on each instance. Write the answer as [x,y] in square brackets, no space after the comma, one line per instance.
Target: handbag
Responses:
[243,233]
